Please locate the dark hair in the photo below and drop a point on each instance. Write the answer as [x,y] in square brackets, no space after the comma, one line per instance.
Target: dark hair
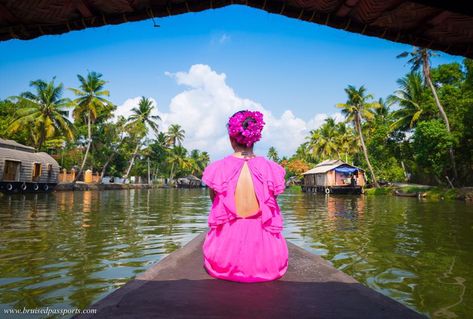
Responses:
[245,125]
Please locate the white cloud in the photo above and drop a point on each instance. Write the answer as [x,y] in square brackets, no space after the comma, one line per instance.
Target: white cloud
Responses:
[206,103]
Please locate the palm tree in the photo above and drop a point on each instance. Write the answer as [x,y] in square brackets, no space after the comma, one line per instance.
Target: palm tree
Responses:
[323,141]
[410,98]
[139,121]
[119,128]
[175,135]
[356,109]
[89,104]
[204,160]
[177,158]
[420,57]
[303,152]
[194,161]
[44,112]
[273,154]
[382,112]
[345,140]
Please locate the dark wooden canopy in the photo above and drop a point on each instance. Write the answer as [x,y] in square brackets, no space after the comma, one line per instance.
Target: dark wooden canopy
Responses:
[439,25]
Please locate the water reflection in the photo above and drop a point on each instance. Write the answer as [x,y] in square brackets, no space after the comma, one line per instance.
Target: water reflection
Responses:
[401,247]
[69,249]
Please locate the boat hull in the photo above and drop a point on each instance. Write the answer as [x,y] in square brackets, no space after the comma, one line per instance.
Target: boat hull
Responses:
[26,187]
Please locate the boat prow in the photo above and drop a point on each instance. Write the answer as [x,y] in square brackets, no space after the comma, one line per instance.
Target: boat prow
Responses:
[179,287]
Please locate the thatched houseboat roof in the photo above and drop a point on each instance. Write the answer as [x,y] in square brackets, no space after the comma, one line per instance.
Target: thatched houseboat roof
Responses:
[328,165]
[11,144]
[440,25]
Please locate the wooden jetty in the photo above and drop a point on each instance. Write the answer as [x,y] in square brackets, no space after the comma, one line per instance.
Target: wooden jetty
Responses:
[179,287]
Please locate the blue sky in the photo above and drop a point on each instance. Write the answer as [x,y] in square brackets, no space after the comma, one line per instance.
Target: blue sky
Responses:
[272,62]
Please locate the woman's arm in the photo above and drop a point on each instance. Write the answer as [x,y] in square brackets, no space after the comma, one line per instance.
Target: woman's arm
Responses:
[212,194]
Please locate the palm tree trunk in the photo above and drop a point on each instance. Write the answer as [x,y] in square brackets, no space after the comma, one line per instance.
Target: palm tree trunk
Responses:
[109,160]
[149,174]
[365,150]
[42,137]
[89,136]
[443,114]
[171,174]
[104,168]
[132,161]
[404,169]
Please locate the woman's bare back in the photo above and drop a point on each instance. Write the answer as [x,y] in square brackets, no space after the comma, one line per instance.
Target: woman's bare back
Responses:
[246,203]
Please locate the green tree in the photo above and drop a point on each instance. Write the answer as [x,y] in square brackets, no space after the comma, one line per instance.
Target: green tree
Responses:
[356,109]
[382,112]
[177,158]
[323,141]
[432,143]
[89,104]
[114,136]
[139,123]
[175,135]
[420,57]
[346,141]
[411,100]
[43,112]
[273,154]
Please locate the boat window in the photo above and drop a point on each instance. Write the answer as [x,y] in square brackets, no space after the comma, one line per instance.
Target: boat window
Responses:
[36,171]
[11,171]
[50,170]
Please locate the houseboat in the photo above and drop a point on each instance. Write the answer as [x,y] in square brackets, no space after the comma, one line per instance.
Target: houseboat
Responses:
[22,169]
[334,176]
[189,181]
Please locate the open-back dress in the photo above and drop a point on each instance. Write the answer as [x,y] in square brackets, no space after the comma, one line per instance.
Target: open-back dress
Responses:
[250,248]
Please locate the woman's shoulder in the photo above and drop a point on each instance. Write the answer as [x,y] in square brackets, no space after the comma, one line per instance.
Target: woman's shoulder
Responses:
[214,164]
[271,164]
[218,164]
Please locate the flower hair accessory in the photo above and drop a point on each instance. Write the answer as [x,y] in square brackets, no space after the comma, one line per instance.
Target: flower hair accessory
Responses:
[246,126]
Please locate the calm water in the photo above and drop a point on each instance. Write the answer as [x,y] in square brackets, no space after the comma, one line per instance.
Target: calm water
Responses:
[69,249]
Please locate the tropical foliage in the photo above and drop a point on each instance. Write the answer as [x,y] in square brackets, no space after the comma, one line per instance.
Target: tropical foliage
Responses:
[85,130]
[42,113]
[420,133]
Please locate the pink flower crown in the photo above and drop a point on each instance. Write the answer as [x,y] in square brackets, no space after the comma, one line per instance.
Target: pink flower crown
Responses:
[252,133]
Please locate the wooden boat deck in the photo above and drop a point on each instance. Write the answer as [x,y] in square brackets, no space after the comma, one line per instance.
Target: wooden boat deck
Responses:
[179,287]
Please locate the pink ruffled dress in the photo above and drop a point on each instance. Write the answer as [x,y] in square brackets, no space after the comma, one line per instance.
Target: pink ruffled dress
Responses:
[245,249]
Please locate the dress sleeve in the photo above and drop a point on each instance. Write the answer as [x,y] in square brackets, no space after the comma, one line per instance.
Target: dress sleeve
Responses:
[276,181]
[213,177]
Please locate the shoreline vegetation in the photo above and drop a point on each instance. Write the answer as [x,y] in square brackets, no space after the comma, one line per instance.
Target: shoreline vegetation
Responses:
[415,191]
[419,134]
[85,132]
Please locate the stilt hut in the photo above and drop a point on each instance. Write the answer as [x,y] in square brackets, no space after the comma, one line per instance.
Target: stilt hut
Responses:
[22,169]
[334,176]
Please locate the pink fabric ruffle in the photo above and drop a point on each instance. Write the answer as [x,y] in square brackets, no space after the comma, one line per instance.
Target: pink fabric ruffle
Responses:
[227,229]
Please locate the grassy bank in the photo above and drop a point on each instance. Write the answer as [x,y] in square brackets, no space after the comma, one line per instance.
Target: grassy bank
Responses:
[435,193]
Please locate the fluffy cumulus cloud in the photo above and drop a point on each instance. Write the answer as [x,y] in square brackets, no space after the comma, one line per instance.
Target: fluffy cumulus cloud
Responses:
[206,103]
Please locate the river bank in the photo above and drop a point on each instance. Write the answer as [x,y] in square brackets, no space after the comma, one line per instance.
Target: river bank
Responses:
[61,187]
[428,192]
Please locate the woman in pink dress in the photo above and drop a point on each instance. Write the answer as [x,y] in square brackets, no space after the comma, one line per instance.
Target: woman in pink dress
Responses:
[245,242]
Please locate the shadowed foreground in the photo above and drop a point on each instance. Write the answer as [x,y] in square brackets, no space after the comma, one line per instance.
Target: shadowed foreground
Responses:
[179,287]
